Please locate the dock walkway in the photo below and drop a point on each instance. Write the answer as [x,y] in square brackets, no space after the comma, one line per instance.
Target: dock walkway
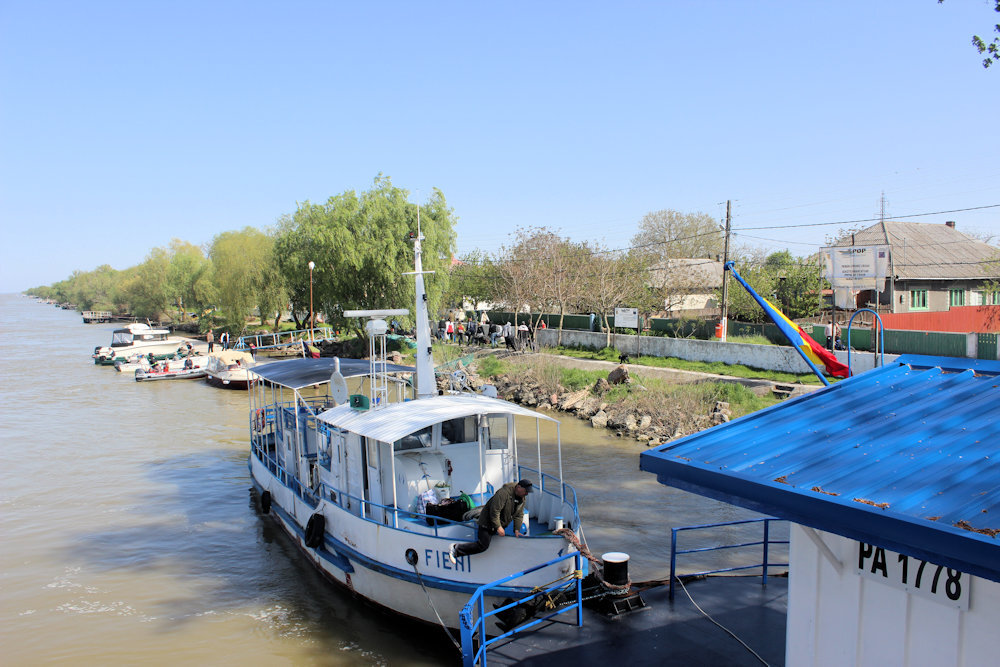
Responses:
[666,633]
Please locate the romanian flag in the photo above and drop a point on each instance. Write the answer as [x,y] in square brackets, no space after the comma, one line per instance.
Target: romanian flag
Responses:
[794,333]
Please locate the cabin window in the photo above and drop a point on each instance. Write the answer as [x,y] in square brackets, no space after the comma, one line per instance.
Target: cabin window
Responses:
[416,440]
[498,431]
[462,429]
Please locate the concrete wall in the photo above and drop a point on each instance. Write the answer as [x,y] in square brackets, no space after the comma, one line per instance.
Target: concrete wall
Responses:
[765,357]
[842,614]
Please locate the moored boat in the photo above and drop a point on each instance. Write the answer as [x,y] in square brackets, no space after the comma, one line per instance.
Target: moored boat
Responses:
[160,372]
[230,369]
[138,337]
[373,490]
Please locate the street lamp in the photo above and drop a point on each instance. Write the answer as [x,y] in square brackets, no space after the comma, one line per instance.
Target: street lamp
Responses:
[312,323]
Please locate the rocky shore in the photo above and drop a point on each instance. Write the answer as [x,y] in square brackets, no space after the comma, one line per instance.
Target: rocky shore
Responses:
[652,424]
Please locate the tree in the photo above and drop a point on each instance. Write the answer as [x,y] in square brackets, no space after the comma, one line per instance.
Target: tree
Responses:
[992,49]
[669,234]
[471,279]
[187,266]
[798,283]
[613,278]
[360,244]
[742,306]
[145,288]
[246,275]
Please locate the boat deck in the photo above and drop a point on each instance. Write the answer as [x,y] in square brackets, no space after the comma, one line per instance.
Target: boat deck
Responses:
[665,632]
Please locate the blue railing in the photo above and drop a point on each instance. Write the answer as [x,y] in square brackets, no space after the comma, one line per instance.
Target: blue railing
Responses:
[473,629]
[565,490]
[765,543]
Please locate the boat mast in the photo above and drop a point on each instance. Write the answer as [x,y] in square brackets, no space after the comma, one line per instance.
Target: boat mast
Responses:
[425,363]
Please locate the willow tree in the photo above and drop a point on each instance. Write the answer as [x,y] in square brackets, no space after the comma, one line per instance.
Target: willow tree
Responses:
[245,275]
[361,248]
[145,288]
[188,265]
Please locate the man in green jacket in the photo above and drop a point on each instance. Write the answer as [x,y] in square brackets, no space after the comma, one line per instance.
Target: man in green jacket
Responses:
[506,505]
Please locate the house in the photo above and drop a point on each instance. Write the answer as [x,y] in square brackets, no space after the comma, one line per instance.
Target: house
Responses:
[688,286]
[890,483]
[932,267]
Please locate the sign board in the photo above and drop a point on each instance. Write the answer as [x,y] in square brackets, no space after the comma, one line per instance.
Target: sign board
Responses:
[627,318]
[914,575]
[856,267]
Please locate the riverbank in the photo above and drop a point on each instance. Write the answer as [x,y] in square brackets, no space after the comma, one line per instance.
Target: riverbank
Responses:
[648,405]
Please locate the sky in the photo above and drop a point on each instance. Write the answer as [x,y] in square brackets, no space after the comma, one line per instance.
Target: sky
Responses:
[124,125]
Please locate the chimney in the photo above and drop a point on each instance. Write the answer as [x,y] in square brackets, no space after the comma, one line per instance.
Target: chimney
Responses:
[951,223]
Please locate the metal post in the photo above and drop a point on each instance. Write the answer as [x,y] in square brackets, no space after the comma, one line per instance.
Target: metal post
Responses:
[767,527]
[579,590]
[465,627]
[312,320]
[725,290]
[673,560]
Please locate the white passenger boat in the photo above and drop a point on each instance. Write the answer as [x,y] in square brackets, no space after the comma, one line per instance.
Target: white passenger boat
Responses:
[348,478]
[137,337]
[230,369]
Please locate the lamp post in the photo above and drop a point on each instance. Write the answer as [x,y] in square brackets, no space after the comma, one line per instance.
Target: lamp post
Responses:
[312,323]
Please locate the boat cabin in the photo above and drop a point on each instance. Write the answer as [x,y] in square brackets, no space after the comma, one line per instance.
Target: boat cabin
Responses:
[137,332]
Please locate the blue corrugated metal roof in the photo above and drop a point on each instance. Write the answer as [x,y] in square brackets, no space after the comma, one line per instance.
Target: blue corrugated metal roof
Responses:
[905,457]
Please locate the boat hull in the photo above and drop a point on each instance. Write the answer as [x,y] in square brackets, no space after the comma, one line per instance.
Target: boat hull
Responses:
[370,559]
[193,374]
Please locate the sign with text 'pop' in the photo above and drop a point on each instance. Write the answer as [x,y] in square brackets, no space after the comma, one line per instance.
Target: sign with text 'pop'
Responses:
[856,267]
[626,318]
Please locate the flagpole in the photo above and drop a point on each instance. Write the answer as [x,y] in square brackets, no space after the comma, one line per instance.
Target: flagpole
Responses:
[730,266]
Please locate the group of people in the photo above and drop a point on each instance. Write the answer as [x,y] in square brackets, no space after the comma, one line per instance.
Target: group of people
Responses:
[833,341]
[223,340]
[482,332]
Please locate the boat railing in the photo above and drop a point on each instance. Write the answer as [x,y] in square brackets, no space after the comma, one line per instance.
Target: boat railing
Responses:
[267,341]
[564,492]
[474,615]
[338,496]
[765,543]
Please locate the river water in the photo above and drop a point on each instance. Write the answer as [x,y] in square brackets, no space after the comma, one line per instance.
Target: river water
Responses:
[129,534]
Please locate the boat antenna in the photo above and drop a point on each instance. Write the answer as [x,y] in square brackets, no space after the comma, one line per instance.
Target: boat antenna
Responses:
[425,361]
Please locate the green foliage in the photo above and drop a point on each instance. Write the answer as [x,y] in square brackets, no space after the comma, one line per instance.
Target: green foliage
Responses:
[491,366]
[245,275]
[741,305]
[798,284]
[145,288]
[359,244]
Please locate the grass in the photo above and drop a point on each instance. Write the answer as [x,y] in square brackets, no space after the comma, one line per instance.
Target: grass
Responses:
[654,397]
[714,367]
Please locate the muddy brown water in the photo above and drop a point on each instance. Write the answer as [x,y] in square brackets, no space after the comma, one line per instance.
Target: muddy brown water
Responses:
[129,534]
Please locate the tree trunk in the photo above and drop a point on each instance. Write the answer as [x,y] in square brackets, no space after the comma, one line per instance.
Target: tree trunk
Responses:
[607,331]
[562,316]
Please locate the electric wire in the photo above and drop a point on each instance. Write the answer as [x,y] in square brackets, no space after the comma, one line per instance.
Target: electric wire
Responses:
[724,628]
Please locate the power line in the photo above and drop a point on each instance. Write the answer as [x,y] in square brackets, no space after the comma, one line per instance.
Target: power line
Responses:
[888,217]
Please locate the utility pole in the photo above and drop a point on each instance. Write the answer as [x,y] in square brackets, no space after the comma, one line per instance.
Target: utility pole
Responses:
[725,274]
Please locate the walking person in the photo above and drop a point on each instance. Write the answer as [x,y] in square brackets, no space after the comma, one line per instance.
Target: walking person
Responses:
[210,339]
[224,339]
[506,506]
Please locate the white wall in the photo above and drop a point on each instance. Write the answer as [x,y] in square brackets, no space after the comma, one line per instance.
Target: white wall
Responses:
[766,357]
[844,618]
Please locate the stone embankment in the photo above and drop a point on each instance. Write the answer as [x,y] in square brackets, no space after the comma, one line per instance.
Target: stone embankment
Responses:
[658,423]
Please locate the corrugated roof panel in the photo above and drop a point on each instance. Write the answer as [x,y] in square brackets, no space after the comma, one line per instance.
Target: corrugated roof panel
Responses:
[396,420]
[904,456]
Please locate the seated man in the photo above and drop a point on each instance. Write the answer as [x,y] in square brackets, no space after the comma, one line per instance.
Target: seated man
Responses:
[506,505]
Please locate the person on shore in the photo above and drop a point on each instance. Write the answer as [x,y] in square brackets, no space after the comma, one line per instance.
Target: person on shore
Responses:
[460,333]
[505,507]
[210,339]
[508,335]
[449,331]
[494,334]
[224,339]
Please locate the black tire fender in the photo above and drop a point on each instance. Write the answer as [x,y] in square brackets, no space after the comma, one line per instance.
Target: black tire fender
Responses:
[315,529]
[265,502]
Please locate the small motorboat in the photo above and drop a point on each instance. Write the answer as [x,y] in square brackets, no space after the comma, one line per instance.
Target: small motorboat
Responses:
[164,371]
[230,369]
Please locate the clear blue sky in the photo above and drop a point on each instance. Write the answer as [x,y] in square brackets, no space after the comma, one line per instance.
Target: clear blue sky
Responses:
[126,124]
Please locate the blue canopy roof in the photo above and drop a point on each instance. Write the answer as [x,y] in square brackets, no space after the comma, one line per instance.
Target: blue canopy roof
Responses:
[299,373]
[906,457]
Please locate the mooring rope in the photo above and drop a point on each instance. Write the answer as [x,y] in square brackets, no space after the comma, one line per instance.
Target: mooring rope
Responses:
[434,609]
[598,564]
